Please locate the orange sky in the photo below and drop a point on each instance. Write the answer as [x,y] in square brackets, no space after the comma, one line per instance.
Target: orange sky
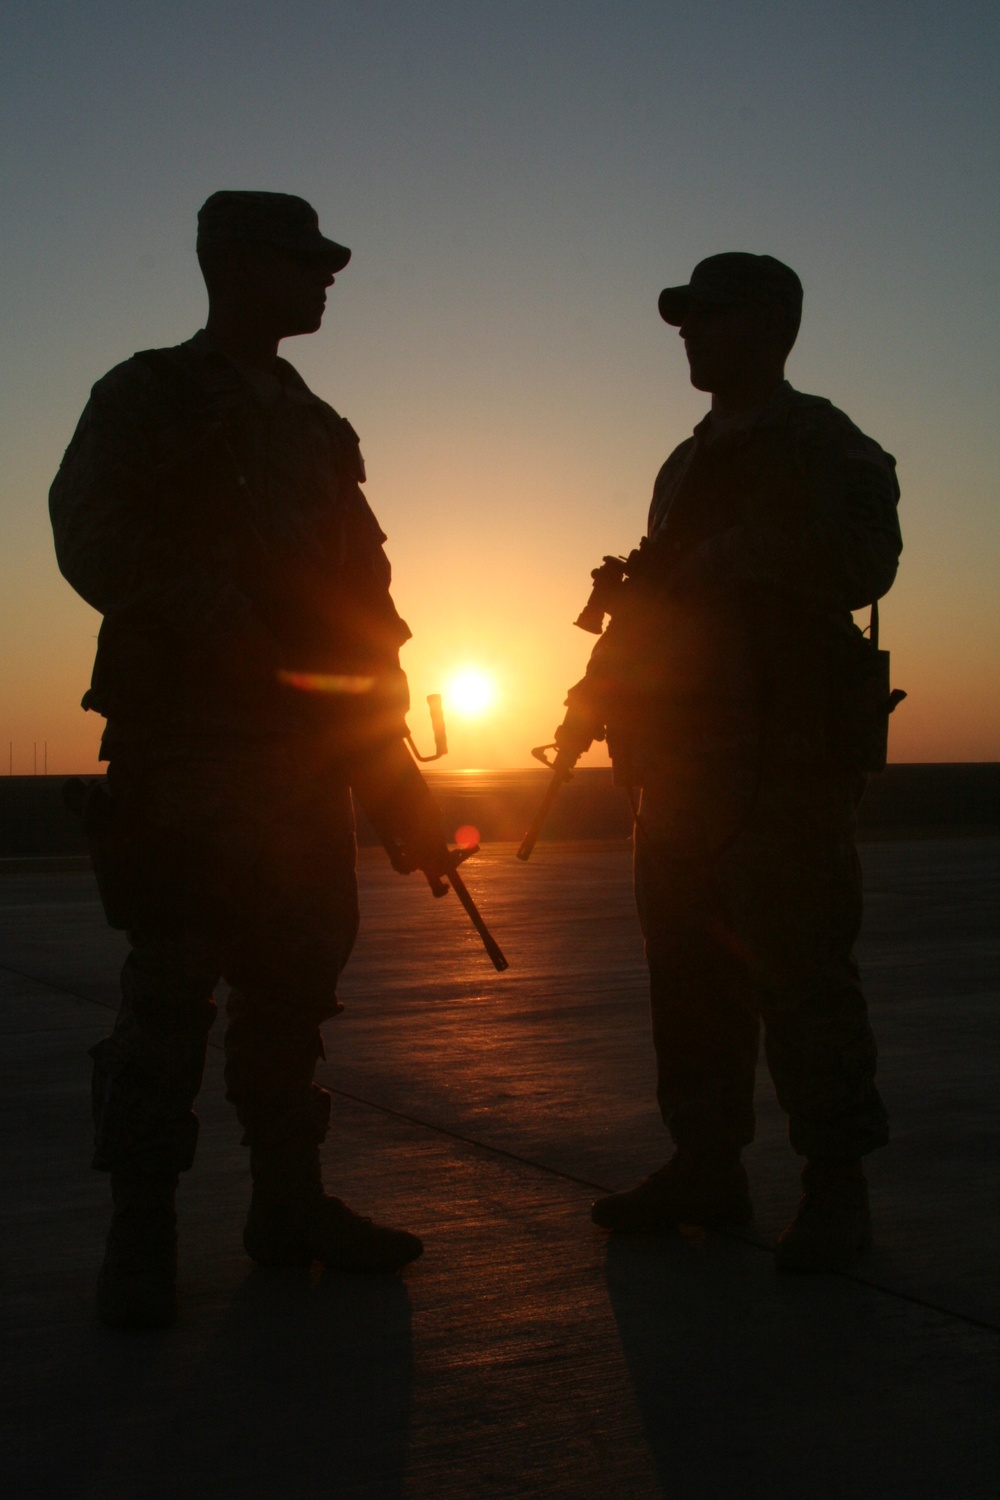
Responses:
[516,191]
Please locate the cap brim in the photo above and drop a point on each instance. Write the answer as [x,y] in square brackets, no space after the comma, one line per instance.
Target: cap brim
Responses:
[673,304]
[337,255]
[334,256]
[676,300]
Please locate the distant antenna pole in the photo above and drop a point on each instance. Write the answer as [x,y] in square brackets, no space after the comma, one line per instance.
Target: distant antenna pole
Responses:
[36,757]
[45,761]
[10,757]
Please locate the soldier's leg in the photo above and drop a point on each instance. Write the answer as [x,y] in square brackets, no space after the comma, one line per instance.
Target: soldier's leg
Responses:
[705,1034]
[288,948]
[147,1073]
[795,890]
[705,1029]
[146,1076]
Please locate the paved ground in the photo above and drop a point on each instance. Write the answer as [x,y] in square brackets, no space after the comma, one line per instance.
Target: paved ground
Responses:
[524,1355]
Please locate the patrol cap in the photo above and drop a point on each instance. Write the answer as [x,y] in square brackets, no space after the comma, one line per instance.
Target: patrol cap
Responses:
[270,219]
[733,279]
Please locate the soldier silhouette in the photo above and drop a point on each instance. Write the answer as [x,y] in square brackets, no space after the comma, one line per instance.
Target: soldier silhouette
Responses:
[735,689]
[210,507]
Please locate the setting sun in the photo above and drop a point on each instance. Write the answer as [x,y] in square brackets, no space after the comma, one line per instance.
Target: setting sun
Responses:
[471,693]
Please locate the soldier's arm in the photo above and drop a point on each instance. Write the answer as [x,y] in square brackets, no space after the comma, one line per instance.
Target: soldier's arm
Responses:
[841,553]
[114,518]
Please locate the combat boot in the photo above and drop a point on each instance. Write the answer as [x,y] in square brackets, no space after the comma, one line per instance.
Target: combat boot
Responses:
[296,1231]
[832,1225]
[293,1222]
[695,1187]
[137,1284]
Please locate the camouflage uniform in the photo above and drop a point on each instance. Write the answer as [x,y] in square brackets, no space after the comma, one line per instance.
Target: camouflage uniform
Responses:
[724,682]
[214,516]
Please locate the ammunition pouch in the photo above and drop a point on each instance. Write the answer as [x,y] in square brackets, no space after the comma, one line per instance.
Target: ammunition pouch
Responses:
[628,737]
[864,701]
[141,1101]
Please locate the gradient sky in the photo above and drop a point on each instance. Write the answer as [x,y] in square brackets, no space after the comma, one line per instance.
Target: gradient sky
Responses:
[518,179]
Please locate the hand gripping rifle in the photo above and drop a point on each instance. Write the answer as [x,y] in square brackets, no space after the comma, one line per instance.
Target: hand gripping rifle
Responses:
[405,816]
[571,738]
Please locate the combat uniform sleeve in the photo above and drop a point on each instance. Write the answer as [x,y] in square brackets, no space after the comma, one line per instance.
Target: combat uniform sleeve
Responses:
[842,550]
[113,511]
[667,483]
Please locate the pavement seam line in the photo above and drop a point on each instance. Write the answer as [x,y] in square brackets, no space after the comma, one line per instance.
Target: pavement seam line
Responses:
[536,1166]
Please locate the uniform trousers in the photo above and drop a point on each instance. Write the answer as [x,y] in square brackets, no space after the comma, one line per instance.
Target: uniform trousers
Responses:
[761,928]
[222,866]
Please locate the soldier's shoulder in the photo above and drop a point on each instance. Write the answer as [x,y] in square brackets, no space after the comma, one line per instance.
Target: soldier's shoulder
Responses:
[817,426]
[816,419]
[676,460]
[140,377]
[290,377]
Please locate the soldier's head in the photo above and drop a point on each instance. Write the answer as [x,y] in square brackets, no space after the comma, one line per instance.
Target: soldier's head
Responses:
[738,316]
[264,260]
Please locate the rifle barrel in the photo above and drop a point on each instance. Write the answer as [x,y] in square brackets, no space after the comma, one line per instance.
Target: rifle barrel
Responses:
[490,943]
[559,778]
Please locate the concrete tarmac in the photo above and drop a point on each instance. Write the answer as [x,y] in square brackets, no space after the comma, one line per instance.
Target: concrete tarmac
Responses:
[526,1353]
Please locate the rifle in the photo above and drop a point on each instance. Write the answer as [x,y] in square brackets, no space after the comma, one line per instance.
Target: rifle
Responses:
[562,766]
[403,813]
[458,885]
[604,595]
[439,866]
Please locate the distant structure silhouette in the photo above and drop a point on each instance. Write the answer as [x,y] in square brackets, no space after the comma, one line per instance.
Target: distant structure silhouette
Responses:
[210,507]
[734,688]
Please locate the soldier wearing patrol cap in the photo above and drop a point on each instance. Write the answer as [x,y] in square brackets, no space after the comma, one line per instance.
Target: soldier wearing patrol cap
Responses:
[210,507]
[724,683]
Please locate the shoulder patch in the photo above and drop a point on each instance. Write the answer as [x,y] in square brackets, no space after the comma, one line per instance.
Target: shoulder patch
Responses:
[352,445]
[868,451]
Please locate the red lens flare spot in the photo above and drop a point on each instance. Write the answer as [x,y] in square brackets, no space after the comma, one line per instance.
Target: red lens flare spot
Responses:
[467,837]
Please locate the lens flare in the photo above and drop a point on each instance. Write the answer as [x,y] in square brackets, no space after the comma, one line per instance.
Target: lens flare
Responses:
[470,693]
[326,682]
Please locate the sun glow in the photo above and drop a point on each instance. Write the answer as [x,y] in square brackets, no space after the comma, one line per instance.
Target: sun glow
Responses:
[471,693]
